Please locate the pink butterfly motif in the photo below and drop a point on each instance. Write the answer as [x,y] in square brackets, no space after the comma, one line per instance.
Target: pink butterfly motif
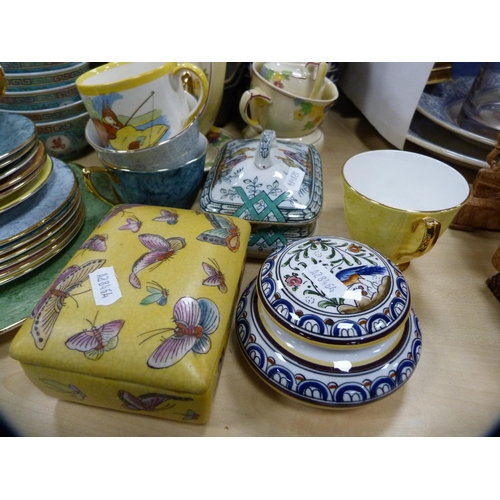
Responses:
[161,250]
[133,223]
[168,216]
[47,310]
[97,243]
[118,209]
[149,402]
[195,320]
[215,276]
[97,340]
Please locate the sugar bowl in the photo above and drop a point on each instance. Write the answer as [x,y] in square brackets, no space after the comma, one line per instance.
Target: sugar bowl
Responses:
[328,322]
[276,185]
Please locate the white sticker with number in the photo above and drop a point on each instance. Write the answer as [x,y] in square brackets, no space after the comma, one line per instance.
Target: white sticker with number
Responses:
[325,281]
[105,286]
[294,179]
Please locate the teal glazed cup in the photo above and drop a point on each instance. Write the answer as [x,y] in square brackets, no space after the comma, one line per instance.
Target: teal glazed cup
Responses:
[174,187]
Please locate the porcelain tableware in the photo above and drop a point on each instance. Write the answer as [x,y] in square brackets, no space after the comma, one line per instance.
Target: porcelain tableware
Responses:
[138,105]
[328,321]
[18,132]
[400,202]
[277,186]
[28,67]
[40,99]
[67,110]
[64,139]
[168,153]
[176,187]
[160,323]
[265,106]
[25,82]
[480,113]
[301,79]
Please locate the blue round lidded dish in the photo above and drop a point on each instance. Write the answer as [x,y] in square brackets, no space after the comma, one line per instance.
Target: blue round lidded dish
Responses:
[328,321]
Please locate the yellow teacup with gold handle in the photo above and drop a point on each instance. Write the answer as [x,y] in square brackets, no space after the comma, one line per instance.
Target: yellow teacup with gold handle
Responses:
[400,202]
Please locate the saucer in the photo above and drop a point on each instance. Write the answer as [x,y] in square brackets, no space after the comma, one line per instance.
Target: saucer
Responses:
[442,102]
[17,132]
[445,144]
[340,385]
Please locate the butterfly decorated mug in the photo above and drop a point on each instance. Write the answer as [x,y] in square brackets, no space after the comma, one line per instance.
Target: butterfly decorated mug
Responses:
[136,105]
[175,187]
[400,202]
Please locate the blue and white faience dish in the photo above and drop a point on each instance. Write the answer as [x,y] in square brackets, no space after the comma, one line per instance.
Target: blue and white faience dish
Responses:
[17,133]
[333,291]
[326,378]
[26,82]
[442,102]
[287,190]
[445,144]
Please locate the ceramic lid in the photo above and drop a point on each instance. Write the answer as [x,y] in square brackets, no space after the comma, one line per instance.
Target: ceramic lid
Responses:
[265,181]
[333,291]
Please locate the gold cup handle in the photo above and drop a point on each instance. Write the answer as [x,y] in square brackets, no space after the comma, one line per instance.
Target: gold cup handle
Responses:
[202,100]
[3,82]
[87,173]
[245,100]
[432,228]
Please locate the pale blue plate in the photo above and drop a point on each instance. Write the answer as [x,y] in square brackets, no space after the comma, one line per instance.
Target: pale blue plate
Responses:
[17,132]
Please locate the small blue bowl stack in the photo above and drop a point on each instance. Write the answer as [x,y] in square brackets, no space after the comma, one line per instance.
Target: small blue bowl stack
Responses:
[45,92]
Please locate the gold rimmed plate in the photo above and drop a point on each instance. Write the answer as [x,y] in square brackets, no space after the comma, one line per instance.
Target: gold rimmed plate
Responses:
[40,210]
[23,247]
[20,155]
[28,190]
[17,133]
[42,256]
[24,171]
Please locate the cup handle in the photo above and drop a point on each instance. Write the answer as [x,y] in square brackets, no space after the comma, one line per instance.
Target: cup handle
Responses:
[432,228]
[87,173]
[202,100]
[245,100]
[3,82]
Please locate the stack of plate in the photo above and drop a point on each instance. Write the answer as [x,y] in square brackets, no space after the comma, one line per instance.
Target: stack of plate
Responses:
[46,93]
[41,208]
[434,126]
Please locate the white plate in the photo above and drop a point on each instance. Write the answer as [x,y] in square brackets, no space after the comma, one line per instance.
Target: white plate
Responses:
[445,144]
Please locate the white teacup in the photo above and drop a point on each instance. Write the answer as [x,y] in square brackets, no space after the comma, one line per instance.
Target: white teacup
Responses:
[140,104]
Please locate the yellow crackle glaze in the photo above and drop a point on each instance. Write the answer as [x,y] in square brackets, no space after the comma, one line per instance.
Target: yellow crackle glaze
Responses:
[112,355]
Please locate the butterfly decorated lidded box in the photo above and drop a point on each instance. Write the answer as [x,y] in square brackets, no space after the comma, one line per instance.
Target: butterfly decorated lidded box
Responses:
[276,185]
[139,318]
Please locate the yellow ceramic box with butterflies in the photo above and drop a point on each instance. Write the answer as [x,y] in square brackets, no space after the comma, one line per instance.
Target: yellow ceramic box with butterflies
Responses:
[139,319]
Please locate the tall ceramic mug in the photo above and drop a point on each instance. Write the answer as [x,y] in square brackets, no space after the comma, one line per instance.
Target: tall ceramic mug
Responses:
[265,106]
[137,105]
[400,202]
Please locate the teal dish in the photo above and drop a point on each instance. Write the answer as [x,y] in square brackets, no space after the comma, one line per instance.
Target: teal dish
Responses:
[53,114]
[175,187]
[64,139]
[39,99]
[31,67]
[26,82]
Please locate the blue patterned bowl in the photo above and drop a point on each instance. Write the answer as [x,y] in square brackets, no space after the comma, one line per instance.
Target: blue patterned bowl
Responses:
[25,82]
[40,99]
[64,139]
[68,110]
[32,67]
